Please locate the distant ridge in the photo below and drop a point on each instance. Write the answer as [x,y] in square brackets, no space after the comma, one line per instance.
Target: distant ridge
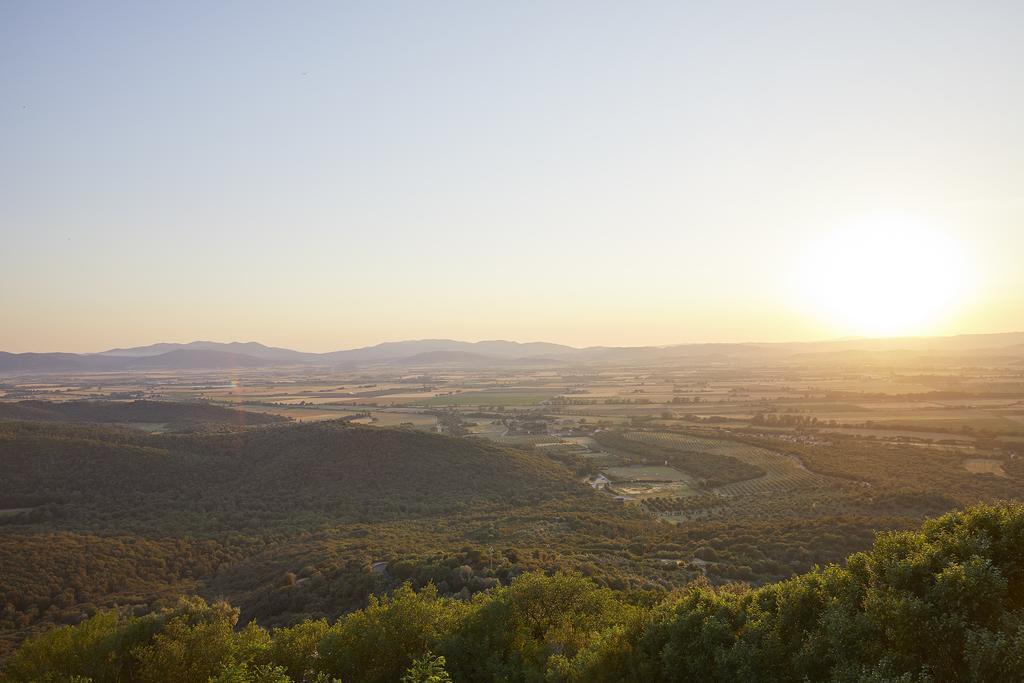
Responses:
[254,349]
[181,359]
[198,355]
[188,358]
[406,349]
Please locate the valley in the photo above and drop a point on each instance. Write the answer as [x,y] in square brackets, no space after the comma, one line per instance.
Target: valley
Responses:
[297,492]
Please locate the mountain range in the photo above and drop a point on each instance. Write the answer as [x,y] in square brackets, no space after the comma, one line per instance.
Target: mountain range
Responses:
[218,355]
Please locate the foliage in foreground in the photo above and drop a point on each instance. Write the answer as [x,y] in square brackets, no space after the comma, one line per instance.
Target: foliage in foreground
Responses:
[944,603]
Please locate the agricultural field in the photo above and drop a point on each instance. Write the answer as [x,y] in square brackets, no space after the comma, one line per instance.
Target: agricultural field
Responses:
[643,482]
[984,466]
[644,473]
[677,496]
[513,397]
[783,472]
[893,400]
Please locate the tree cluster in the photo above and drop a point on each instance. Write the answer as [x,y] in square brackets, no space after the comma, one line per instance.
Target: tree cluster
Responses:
[945,603]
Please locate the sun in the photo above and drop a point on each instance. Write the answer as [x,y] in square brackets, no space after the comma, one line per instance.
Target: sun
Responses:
[883,278]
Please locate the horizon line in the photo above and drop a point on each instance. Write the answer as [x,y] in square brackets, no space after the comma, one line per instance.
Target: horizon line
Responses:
[570,346]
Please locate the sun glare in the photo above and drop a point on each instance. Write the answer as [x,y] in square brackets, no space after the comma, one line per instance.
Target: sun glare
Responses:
[884,278]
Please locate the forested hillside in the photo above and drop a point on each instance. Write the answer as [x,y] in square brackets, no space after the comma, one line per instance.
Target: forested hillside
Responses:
[945,603]
[298,522]
[292,521]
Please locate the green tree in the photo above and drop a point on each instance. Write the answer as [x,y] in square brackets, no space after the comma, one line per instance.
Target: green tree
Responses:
[379,643]
[242,672]
[295,647]
[512,633]
[429,668]
[195,643]
[98,649]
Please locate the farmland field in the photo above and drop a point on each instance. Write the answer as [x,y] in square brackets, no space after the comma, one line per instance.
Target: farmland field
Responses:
[498,397]
[644,473]
[782,472]
[985,466]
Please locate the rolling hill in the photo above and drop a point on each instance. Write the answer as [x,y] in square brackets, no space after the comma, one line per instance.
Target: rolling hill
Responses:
[215,355]
[253,349]
[181,359]
[296,522]
[91,515]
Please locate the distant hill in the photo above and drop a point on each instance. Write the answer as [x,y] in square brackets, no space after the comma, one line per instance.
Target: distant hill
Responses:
[253,349]
[460,357]
[181,359]
[217,355]
[53,362]
[404,350]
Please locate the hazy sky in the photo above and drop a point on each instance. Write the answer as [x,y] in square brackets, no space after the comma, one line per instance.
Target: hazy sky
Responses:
[328,175]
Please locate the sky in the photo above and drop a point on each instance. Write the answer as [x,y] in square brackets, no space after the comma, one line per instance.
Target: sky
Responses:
[326,175]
